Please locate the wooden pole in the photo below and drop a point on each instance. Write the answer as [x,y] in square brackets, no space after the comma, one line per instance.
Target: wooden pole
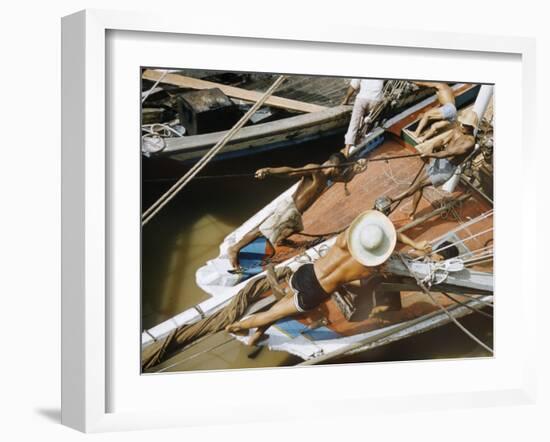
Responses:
[231,91]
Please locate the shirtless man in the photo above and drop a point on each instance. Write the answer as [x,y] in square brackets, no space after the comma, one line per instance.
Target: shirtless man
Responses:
[311,284]
[443,115]
[369,93]
[287,217]
[446,152]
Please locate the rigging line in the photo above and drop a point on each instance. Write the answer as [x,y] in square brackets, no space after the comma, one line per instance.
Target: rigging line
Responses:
[436,302]
[479,262]
[456,242]
[164,74]
[252,174]
[412,182]
[475,220]
[479,257]
[481,301]
[468,306]
[183,181]
[474,252]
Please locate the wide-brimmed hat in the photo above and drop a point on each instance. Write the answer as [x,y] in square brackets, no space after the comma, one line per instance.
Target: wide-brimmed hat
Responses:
[469,118]
[371,238]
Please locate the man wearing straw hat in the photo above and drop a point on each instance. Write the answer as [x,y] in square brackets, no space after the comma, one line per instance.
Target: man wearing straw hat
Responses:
[446,154]
[357,253]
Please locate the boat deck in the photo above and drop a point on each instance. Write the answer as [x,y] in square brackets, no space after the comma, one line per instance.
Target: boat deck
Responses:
[323,91]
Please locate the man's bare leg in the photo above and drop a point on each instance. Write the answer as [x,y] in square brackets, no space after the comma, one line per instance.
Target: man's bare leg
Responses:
[233,251]
[433,114]
[415,201]
[433,130]
[283,308]
[421,124]
[422,181]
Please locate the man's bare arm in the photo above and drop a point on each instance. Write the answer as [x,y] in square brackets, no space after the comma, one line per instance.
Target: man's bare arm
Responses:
[426,83]
[457,148]
[349,94]
[427,147]
[422,246]
[286,171]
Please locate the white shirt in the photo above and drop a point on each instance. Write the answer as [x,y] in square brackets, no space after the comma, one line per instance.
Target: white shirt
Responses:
[368,89]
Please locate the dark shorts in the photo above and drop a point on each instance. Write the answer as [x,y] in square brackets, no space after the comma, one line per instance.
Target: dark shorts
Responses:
[308,293]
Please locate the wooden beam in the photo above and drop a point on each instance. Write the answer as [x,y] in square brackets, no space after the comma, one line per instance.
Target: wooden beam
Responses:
[433,213]
[231,91]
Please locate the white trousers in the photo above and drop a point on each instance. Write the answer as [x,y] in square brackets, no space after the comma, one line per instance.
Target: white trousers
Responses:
[361,108]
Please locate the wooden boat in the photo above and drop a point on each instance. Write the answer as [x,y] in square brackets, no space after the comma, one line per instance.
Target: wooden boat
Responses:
[327,332]
[312,106]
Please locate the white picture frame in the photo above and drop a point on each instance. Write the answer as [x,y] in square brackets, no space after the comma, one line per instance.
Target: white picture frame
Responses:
[86,206]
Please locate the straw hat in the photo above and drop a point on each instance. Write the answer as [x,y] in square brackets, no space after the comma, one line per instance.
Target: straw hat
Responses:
[371,238]
[469,118]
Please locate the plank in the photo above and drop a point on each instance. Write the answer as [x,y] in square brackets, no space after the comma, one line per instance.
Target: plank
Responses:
[231,91]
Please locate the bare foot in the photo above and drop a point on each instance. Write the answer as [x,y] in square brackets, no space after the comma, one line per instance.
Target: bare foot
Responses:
[236,329]
[232,254]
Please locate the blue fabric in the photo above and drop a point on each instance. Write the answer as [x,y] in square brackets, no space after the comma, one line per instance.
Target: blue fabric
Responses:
[252,257]
[294,328]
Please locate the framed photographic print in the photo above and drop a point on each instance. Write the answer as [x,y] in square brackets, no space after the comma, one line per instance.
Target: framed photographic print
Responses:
[247,215]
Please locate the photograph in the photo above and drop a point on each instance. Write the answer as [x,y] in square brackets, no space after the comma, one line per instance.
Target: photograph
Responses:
[291,220]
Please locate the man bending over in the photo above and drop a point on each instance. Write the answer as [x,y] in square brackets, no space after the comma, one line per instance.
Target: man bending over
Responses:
[446,153]
[357,253]
[287,217]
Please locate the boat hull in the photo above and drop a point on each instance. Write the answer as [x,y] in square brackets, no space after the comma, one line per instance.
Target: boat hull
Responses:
[260,138]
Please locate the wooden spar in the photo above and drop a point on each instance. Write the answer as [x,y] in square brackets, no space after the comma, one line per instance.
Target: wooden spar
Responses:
[231,91]
[426,217]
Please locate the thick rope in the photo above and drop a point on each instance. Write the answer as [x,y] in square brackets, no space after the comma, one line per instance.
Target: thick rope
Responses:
[184,335]
[183,181]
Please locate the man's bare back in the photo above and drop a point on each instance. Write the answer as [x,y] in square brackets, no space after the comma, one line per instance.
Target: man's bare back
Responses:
[309,189]
[457,145]
[444,92]
[338,267]
[314,179]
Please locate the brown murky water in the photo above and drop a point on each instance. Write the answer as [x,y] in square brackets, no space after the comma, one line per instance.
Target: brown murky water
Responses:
[188,232]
